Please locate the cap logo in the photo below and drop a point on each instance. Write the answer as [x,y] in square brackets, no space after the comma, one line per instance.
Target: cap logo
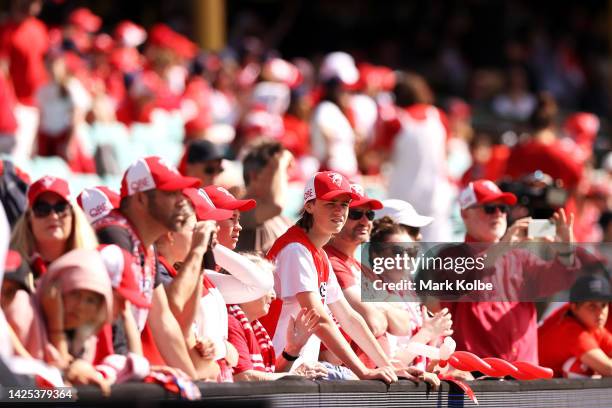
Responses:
[491,186]
[357,189]
[596,286]
[47,181]
[309,194]
[98,210]
[336,178]
[140,184]
[205,196]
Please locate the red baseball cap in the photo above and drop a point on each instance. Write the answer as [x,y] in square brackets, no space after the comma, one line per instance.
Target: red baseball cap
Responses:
[153,172]
[582,127]
[222,198]
[130,34]
[98,201]
[85,20]
[483,191]
[204,207]
[48,183]
[121,270]
[279,70]
[326,185]
[364,199]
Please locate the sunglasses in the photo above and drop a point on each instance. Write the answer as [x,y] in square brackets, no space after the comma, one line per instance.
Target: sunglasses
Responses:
[42,209]
[356,214]
[490,208]
[401,250]
[211,170]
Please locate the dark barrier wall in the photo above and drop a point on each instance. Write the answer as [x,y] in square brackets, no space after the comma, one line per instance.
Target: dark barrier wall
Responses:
[303,393]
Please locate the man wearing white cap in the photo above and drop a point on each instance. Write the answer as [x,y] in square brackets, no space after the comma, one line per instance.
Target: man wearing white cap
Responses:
[403,213]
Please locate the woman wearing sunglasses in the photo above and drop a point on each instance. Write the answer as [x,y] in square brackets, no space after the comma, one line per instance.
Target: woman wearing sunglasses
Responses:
[51,225]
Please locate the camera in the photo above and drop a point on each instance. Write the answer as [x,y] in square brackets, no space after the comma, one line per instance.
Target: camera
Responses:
[538,194]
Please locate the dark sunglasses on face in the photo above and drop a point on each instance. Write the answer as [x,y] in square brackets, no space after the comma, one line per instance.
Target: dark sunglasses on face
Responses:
[42,209]
[211,170]
[401,250]
[490,208]
[356,214]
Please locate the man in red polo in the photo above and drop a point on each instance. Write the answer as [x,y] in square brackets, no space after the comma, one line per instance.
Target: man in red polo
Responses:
[508,329]
[341,252]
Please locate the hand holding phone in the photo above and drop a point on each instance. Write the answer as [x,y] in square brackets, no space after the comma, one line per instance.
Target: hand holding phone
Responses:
[541,229]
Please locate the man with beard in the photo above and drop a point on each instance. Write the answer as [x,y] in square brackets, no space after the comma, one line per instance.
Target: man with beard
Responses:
[151,204]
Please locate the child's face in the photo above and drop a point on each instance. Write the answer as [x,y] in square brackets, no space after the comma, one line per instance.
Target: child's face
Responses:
[593,314]
[81,307]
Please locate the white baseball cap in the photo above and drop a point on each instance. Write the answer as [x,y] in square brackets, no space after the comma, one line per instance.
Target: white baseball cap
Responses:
[340,65]
[402,212]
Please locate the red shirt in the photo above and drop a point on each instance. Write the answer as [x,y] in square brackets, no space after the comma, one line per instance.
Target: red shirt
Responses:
[8,122]
[345,267]
[297,135]
[508,330]
[563,338]
[25,44]
[246,344]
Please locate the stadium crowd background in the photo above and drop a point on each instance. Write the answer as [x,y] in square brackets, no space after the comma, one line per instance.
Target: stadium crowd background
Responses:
[521,97]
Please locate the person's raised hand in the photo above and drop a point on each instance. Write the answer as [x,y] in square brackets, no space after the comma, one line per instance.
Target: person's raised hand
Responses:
[517,232]
[439,324]
[301,328]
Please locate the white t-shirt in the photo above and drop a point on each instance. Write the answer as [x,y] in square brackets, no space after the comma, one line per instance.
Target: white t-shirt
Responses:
[419,173]
[56,111]
[295,273]
[339,149]
[211,321]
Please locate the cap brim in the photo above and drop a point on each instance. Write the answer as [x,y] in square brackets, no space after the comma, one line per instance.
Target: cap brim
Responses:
[506,198]
[242,205]
[336,193]
[594,298]
[217,214]
[374,204]
[417,221]
[179,183]
[134,298]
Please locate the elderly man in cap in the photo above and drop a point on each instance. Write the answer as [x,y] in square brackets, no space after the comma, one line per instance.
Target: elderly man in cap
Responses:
[508,329]
[151,204]
[404,214]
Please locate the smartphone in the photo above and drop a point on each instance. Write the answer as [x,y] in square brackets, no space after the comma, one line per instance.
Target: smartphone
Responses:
[541,229]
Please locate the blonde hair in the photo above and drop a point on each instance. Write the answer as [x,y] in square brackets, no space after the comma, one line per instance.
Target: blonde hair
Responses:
[82,235]
[261,262]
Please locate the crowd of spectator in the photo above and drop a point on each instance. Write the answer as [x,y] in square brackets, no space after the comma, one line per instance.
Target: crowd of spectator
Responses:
[194,267]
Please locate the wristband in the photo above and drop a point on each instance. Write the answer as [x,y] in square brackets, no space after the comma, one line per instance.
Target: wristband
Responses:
[288,356]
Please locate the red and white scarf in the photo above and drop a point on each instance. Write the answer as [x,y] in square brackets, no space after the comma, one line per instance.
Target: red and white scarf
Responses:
[264,361]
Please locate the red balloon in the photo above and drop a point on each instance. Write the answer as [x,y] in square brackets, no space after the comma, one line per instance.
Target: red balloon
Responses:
[501,368]
[496,367]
